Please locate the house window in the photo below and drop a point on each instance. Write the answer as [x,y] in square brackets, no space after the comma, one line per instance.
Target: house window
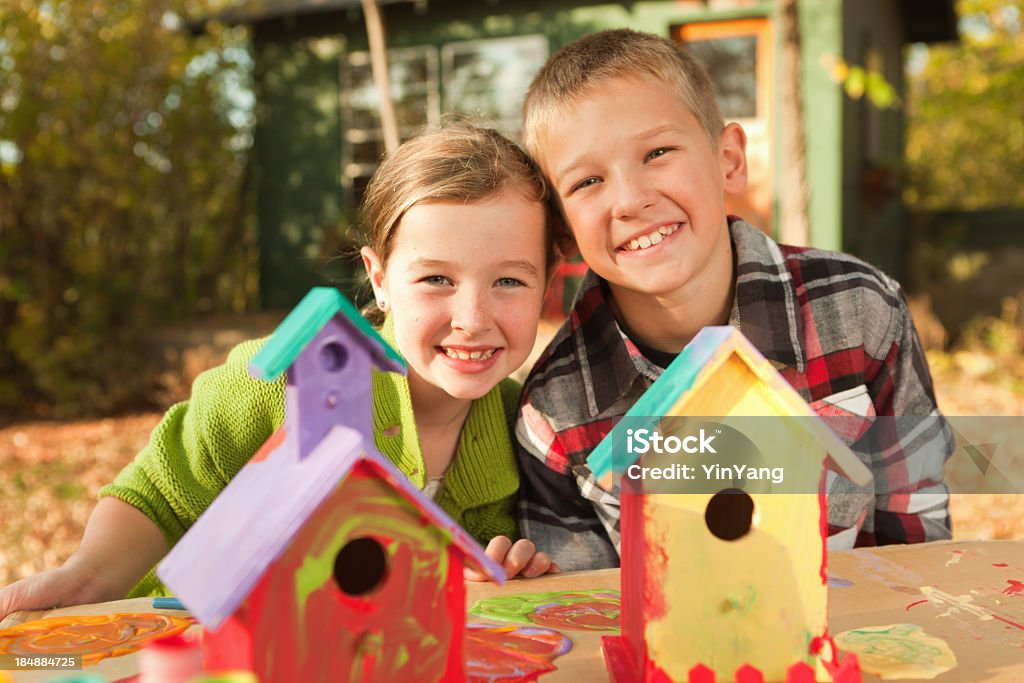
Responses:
[485,78]
[730,62]
[414,89]
[489,78]
[738,55]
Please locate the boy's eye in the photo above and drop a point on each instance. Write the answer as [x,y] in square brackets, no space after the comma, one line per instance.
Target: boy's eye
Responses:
[660,151]
[586,182]
[436,280]
[509,282]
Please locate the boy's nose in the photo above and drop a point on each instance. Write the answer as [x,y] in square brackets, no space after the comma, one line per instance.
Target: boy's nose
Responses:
[634,194]
[472,313]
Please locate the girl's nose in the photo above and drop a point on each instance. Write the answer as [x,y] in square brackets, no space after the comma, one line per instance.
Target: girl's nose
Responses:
[472,312]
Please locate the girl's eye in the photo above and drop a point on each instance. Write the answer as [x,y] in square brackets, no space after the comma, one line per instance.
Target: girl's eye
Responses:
[660,151]
[586,182]
[436,280]
[509,282]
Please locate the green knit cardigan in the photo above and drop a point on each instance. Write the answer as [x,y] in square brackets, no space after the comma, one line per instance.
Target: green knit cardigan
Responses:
[200,444]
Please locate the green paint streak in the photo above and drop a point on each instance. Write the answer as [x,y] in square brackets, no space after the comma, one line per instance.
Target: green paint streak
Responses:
[316,570]
[743,603]
[401,657]
[894,644]
[517,608]
[808,657]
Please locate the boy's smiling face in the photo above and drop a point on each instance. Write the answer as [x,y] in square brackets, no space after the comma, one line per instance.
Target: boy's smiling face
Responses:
[642,187]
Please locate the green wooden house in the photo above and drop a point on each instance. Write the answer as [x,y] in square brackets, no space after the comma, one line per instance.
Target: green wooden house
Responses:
[318,136]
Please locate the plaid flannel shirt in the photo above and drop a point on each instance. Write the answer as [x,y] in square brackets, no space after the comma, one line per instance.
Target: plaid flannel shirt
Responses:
[835,327]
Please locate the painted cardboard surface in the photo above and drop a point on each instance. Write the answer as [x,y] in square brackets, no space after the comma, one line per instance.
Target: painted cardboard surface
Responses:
[112,668]
[963,593]
[975,604]
[584,661]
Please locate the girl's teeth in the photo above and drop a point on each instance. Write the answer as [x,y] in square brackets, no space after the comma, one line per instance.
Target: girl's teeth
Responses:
[469,355]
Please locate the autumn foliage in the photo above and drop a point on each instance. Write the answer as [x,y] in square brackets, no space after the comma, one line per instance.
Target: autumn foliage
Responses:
[965,137]
[123,144]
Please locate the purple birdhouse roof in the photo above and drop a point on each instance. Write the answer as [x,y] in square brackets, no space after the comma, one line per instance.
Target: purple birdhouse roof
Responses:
[221,558]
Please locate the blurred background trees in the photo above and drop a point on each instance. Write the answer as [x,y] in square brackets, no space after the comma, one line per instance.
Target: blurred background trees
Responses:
[965,137]
[964,162]
[123,145]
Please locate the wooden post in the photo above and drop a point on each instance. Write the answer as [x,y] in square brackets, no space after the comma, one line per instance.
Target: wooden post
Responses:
[379,64]
[794,223]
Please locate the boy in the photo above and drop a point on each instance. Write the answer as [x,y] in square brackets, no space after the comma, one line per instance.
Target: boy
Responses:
[626,128]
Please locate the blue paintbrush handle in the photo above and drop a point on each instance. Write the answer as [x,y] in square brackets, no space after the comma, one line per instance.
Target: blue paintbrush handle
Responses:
[167,603]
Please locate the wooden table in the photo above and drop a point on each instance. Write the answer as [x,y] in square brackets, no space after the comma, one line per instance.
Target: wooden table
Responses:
[976,606]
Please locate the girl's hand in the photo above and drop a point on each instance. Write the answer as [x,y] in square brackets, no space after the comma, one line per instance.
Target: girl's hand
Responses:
[517,559]
[68,585]
[100,570]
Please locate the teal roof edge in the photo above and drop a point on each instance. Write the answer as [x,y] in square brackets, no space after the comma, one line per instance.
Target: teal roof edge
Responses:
[304,322]
[678,377]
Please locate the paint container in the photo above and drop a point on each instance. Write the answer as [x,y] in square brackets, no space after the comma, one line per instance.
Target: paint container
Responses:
[228,677]
[176,659]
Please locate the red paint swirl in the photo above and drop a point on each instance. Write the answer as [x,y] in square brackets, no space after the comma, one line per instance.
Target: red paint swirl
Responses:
[593,615]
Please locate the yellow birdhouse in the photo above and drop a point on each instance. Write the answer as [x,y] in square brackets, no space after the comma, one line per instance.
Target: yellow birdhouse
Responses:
[723,519]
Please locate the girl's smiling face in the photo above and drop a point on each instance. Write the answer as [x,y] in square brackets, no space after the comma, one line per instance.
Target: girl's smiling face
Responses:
[464,284]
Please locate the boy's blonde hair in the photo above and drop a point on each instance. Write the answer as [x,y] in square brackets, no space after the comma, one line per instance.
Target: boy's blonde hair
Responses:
[456,161]
[585,64]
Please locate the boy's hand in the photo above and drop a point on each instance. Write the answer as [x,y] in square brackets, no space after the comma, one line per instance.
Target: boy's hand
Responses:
[517,559]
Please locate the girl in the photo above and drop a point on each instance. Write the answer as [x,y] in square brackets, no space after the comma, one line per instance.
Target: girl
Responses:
[461,247]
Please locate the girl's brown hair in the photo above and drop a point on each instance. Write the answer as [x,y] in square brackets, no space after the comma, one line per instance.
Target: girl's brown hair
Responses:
[454,162]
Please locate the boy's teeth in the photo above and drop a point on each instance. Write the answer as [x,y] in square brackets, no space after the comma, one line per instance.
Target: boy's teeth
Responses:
[651,239]
[469,355]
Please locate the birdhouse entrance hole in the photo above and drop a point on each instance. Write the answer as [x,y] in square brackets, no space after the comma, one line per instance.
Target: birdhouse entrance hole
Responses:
[360,566]
[333,356]
[729,514]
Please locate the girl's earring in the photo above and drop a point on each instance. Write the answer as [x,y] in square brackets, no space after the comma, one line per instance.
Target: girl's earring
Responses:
[381,304]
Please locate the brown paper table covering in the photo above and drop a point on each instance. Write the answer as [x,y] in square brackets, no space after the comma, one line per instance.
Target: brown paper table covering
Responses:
[977,607]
